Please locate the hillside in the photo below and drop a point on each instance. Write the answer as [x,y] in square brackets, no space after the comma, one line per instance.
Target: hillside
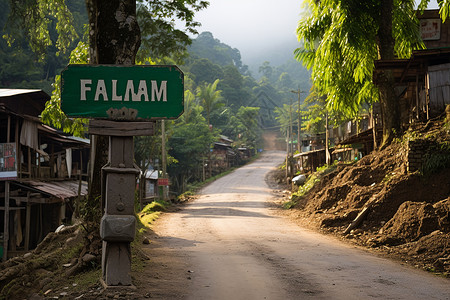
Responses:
[404,215]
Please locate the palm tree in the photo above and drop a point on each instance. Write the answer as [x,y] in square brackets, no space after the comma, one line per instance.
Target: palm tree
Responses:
[210,98]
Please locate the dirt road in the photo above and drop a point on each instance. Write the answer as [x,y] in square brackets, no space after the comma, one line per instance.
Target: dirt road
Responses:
[230,244]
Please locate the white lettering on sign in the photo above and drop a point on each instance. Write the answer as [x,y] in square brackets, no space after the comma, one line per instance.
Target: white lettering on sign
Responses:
[142,91]
[114,96]
[128,90]
[84,88]
[162,91]
[101,91]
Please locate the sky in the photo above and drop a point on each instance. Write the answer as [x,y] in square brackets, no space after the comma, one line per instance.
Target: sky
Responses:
[252,26]
[255,27]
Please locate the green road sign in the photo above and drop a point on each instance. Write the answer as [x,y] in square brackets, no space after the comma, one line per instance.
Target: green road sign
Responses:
[122,92]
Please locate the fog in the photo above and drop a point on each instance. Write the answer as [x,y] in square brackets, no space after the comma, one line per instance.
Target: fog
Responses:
[255,27]
[260,29]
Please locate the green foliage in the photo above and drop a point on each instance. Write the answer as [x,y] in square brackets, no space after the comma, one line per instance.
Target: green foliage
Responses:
[311,181]
[209,98]
[157,22]
[21,68]
[341,41]
[91,213]
[158,205]
[206,46]
[285,116]
[54,116]
[205,71]
[189,143]
[34,20]
[436,159]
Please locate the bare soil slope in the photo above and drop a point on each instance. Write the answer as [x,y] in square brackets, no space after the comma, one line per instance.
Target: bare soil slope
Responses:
[407,214]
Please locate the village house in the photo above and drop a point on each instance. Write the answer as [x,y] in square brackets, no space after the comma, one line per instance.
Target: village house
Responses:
[423,87]
[42,173]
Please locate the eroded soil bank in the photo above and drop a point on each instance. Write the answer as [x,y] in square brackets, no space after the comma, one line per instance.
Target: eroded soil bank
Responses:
[406,214]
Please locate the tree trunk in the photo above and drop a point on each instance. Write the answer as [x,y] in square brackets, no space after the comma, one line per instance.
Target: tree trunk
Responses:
[114,35]
[388,99]
[114,38]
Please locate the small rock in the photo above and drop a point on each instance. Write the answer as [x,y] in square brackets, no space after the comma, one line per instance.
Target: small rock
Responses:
[439,264]
[59,228]
[26,255]
[35,297]
[45,281]
[357,231]
[63,294]
[145,241]
[88,257]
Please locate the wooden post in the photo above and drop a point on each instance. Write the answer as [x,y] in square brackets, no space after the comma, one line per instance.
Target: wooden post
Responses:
[327,150]
[6,223]
[18,158]
[117,227]
[27,223]
[120,183]
[29,162]
[163,157]
[417,97]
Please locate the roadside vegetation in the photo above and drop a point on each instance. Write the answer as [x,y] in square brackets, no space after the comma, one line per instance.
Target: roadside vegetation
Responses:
[377,203]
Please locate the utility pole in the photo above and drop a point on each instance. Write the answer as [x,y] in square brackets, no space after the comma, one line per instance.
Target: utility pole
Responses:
[291,146]
[298,92]
[163,157]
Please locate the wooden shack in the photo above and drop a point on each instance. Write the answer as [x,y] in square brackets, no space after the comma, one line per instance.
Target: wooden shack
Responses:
[423,80]
[41,172]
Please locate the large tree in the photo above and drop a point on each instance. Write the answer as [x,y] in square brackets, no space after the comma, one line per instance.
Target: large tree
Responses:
[114,31]
[341,41]
[114,38]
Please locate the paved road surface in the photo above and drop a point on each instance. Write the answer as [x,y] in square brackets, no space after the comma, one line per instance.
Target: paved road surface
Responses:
[229,244]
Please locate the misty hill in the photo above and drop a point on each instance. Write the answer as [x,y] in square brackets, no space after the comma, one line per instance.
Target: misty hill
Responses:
[278,66]
[206,46]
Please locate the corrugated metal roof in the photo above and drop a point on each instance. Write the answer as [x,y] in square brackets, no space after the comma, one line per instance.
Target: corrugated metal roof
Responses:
[14,92]
[59,189]
[23,102]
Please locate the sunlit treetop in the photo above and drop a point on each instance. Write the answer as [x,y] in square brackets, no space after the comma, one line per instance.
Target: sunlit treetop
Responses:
[341,42]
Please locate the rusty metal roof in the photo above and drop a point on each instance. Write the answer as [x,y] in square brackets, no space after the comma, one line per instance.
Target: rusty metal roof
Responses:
[59,189]
[23,102]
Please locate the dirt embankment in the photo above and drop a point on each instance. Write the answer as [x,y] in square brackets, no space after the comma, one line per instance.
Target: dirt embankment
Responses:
[406,215]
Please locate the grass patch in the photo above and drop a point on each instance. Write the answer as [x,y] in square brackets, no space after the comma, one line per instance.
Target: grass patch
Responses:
[150,213]
[148,219]
[311,181]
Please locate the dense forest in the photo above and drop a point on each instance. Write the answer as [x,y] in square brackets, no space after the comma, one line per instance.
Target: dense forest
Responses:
[21,67]
[222,97]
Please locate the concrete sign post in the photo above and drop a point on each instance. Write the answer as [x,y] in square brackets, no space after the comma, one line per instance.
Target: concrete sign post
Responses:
[119,98]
